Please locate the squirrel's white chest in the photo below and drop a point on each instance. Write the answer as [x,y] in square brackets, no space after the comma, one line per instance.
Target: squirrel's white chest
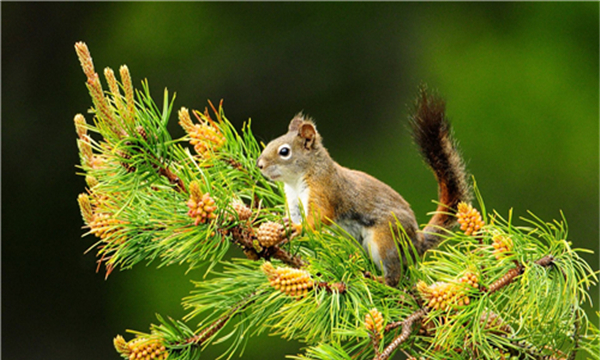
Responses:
[297,195]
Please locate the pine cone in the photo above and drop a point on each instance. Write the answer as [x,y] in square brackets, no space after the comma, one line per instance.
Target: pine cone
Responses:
[294,282]
[206,139]
[141,348]
[244,212]
[269,233]
[469,219]
[202,207]
[442,295]
[501,245]
[470,279]
[374,321]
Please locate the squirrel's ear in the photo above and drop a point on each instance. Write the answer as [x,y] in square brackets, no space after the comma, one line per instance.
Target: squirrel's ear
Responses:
[308,133]
[296,122]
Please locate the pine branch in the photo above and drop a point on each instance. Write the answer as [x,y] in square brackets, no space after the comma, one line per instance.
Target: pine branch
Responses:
[486,292]
[407,326]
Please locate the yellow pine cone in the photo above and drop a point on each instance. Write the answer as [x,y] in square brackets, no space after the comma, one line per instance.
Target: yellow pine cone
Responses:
[294,282]
[244,212]
[374,321]
[141,348]
[104,225]
[470,279]
[442,295]
[501,245]
[201,207]
[469,218]
[269,233]
[205,137]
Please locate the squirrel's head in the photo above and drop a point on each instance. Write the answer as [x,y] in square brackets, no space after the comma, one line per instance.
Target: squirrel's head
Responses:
[288,157]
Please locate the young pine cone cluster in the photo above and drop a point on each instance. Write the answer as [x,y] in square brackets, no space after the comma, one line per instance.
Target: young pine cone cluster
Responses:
[269,233]
[442,295]
[446,295]
[501,245]
[205,137]
[201,206]
[104,225]
[470,279]
[140,349]
[374,321]
[294,282]
[469,219]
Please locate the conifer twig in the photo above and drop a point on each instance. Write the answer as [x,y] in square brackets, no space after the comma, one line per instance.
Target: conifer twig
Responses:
[131,206]
[505,280]
[244,237]
[173,179]
[511,274]
[407,326]
[218,324]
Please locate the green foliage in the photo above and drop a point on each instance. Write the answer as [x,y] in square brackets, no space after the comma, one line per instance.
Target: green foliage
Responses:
[525,300]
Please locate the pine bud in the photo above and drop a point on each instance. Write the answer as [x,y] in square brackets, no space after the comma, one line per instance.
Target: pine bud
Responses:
[83,53]
[442,295]
[91,181]
[80,126]
[141,348]
[201,207]
[85,206]
[469,219]
[105,225]
[470,279]
[374,321]
[109,74]
[85,149]
[502,245]
[294,282]
[269,233]
[128,89]
[205,137]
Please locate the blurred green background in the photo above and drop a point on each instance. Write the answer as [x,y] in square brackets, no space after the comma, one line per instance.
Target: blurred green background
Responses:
[520,79]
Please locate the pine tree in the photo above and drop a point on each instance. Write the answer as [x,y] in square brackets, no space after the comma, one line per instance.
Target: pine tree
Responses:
[491,290]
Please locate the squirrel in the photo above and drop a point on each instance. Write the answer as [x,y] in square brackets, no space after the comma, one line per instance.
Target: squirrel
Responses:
[362,205]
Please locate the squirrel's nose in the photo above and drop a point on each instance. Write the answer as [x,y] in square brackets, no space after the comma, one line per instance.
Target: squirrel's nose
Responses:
[260,163]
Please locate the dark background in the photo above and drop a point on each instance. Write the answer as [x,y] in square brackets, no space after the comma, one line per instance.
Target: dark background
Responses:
[520,79]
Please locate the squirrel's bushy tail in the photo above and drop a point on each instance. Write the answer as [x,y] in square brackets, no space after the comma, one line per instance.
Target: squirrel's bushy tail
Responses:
[433,135]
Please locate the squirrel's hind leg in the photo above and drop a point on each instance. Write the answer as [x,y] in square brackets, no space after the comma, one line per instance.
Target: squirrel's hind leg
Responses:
[378,241]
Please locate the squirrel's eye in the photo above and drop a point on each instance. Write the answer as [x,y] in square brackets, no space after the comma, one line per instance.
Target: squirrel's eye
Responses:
[285,152]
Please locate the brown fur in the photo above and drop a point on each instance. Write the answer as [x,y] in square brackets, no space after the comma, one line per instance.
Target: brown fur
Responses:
[360,203]
[432,132]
